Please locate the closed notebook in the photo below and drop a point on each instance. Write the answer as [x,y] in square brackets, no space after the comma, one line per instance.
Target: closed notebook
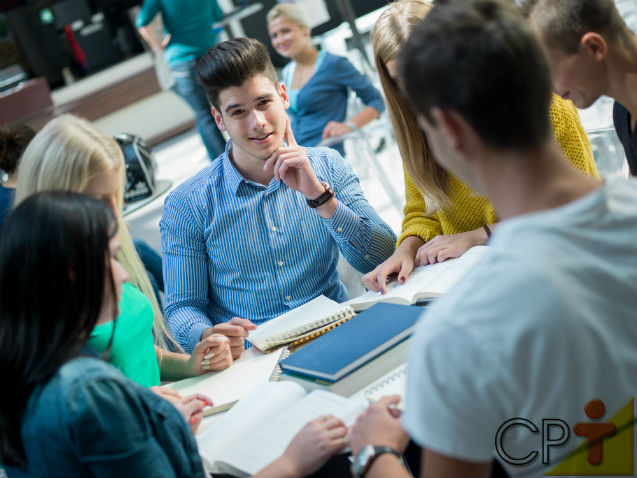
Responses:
[353,383]
[301,324]
[356,342]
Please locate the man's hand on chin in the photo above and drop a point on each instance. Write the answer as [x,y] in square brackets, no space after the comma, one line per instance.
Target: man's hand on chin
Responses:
[291,165]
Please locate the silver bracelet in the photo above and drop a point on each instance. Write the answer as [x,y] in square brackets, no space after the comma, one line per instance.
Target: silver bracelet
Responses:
[350,125]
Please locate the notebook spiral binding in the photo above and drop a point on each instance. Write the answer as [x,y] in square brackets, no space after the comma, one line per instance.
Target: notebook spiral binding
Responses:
[374,391]
[276,373]
[319,327]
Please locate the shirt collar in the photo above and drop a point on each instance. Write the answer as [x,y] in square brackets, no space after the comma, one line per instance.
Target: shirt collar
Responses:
[231,174]
[234,177]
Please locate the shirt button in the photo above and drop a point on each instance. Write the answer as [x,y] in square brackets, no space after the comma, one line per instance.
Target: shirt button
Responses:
[339,229]
[273,228]
[366,256]
[288,297]
[281,263]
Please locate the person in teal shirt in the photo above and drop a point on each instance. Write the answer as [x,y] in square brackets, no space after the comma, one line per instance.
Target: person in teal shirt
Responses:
[189,34]
[132,349]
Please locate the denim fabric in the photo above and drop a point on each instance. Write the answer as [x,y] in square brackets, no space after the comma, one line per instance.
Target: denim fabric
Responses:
[90,420]
[188,88]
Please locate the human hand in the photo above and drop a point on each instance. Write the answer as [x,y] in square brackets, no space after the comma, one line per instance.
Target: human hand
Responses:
[191,407]
[212,353]
[448,246]
[291,165]
[398,266]
[313,445]
[236,330]
[378,425]
[335,128]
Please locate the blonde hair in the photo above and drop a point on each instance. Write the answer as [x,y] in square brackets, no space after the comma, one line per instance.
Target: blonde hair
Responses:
[389,36]
[66,155]
[288,11]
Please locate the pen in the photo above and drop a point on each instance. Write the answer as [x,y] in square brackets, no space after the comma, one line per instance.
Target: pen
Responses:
[394,411]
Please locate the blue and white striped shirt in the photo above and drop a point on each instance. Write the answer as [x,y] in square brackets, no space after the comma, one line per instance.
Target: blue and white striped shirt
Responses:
[233,247]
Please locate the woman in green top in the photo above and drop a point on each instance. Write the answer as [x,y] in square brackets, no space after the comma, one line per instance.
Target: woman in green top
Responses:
[70,154]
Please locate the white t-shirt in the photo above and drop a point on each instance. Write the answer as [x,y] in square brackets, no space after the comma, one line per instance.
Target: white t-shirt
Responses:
[544,323]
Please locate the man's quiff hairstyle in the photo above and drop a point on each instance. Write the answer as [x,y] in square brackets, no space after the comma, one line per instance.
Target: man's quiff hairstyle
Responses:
[231,63]
[481,59]
[562,23]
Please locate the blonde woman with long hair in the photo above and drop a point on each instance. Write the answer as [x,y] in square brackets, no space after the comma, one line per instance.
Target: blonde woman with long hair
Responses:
[317,82]
[443,216]
[70,154]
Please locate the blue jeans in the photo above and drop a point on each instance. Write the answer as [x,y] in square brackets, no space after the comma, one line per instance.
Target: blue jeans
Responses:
[188,88]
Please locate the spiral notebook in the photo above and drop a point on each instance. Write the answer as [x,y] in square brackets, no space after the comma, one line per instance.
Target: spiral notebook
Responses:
[301,324]
[392,383]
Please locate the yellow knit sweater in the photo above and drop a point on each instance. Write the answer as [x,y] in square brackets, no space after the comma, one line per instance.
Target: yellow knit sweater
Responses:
[466,209]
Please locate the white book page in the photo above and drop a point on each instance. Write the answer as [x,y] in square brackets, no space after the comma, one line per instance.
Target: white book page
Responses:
[230,385]
[230,432]
[392,383]
[269,439]
[424,282]
[308,313]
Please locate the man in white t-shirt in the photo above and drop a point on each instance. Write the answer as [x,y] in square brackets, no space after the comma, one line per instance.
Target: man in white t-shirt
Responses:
[534,353]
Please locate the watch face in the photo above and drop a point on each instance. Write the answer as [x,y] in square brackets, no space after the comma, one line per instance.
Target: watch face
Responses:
[362,459]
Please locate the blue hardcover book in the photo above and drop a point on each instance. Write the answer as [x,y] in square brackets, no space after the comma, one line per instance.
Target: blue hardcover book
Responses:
[354,343]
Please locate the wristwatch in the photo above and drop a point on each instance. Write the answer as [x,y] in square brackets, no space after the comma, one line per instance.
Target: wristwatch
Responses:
[366,457]
[323,198]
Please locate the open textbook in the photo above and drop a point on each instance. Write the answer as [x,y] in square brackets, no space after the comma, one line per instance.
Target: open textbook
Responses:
[259,428]
[227,387]
[301,324]
[425,282]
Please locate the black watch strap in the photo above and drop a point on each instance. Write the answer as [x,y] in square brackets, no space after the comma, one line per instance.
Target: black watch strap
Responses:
[369,455]
[323,198]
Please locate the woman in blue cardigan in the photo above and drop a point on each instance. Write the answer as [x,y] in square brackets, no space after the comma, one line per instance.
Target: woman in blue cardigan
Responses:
[318,82]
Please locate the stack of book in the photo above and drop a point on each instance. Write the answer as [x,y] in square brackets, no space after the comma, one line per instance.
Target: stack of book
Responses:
[345,360]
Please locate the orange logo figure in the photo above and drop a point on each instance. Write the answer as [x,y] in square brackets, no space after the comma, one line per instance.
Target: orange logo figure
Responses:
[594,432]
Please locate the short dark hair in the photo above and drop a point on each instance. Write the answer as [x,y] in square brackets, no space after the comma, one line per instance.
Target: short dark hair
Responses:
[481,58]
[231,63]
[53,264]
[14,139]
[562,23]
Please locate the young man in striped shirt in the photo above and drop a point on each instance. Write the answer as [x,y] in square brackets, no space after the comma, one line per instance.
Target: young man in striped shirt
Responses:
[258,232]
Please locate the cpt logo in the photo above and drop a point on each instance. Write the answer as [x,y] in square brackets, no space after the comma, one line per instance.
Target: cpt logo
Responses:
[588,458]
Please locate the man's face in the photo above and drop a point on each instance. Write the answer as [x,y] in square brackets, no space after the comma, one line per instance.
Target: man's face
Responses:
[254,116]
[579,77]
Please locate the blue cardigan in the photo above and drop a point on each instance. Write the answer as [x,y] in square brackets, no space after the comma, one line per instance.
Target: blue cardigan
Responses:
[324,97]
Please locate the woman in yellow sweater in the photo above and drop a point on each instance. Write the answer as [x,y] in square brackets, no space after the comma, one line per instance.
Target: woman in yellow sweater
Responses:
[443,216]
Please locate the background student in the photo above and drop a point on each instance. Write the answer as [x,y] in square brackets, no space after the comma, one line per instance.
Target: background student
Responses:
[593,53]
[70,154]
[13,141]
[69,412]
[317,82]
[259,232]
[513,339]
[444,216]
[189,34]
